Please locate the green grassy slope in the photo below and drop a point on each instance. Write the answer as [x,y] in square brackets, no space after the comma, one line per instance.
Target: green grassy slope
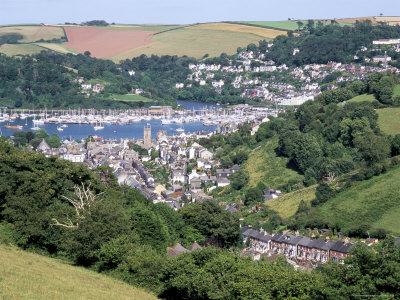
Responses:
[285,25]
[389,120]
[361,98]
[266,166]
[25,275]
[286,205]
[375,201]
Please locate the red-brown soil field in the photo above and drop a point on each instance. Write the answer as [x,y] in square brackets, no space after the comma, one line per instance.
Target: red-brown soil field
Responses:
[103,43]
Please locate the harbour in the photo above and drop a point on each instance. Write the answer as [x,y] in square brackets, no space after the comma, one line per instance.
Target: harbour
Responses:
[109,124]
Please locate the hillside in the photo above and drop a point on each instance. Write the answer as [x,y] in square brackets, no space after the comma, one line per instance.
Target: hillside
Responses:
[286,205]
[266,166]
[375,202]
[127,41]
[25,275]
[389,120]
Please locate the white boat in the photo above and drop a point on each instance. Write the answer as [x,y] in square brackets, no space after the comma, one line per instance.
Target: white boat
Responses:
[180,130]
[60,129]
[165,121]
[35,128]
[98,127]
[64,126]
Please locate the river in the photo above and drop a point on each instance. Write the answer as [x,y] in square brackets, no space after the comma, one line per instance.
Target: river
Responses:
[133,130]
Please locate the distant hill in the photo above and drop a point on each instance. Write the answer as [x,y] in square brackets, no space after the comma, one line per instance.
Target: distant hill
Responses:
[119,42]
[25,275]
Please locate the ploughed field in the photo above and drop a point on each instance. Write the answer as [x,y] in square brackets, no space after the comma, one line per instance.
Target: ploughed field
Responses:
[103,43]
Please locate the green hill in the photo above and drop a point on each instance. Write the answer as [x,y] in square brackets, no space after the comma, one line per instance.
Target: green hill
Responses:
[25,275]
[266,166]
[389,120]
[375,202]
[287,205]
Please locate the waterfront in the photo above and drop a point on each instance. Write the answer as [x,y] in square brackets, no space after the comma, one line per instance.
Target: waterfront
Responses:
[117,131]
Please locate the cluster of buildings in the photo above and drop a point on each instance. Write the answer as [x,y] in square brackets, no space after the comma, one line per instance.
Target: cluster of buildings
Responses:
[295,247]
[277,89]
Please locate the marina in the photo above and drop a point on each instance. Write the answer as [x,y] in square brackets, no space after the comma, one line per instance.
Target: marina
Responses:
[78,124]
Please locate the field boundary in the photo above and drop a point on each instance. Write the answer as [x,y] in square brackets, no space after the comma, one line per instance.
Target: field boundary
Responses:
[256,25]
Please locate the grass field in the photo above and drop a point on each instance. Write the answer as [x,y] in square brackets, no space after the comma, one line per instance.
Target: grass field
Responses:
[396,91]
[193,41]
[26,275]
[57,48]
[375,201]
[389,120]
[286,25]
[362,98]
[20,49]
[262,32]
[354,20]
[264,165]
[130,98]
[34,33]
[286,205]
[158,28]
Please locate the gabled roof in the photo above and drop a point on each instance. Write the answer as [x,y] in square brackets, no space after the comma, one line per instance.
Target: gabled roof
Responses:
[195,246]
[305,241]
[176,249]
[342,247]
[277,236]
[321,244]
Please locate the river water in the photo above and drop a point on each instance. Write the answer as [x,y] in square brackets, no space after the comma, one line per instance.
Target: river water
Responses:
[133,130]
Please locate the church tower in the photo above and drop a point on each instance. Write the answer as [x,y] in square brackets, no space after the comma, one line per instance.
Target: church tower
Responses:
[147,136]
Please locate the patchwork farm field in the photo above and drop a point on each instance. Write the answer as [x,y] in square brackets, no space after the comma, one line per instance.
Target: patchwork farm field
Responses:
[285,25]
[104,43]
[354,20]
[57,48]
[198,40]
[34,33]
[262,32]
[20,49]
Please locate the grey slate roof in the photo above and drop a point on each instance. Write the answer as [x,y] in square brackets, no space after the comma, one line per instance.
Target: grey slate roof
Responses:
[277,236]
[321,244]
[305,242]
[342,247]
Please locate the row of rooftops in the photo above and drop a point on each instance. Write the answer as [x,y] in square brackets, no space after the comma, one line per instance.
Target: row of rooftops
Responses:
[298,240]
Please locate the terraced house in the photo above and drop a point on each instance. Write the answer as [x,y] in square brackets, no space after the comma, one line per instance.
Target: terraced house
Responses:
[295,246]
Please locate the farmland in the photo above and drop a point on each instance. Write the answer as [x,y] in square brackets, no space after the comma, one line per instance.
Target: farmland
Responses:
[25,275]
[105,43]
[262,32]
[196,41]
[34,33]
[20,49]
[389,120]
[57,48]
[285,25]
